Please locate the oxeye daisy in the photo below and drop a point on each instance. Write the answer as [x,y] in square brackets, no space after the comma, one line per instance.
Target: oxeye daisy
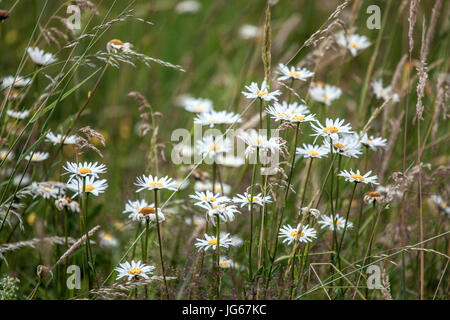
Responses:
[353,42]
[39,57]
[208,197]
[37,156]
[57,139]
[347,145]
[373,197]
[372,142]
[256,141]
[223,211]
[292,112]
[357,177]
[107,240]
[263,93]
[116,45]
[10,82]
[312,151]
[384,93]
[18,114]
[290,234]
[328,222]
[92,186]
[153,182]
[141,211]
[294,73]
[310,211]
[4,155]
[134,270]
[83,169]
[246,199]
[226,263]
[65,202]
[324,93]
[212,146]
[441,203]
[198,105]
[212,118]
[45,190]
[210,242]
[332,128]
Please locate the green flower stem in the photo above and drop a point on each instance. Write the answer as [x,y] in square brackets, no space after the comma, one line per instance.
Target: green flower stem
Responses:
[160,244]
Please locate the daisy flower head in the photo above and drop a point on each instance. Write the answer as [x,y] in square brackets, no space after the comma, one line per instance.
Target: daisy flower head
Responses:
[441,203]
[225,263]
[212,118]
[246,199]
[20,115]
[41,58]
[293,73]
[224,212]
[116,45]
[332,128]
[210,242]
[357,177]
[374,197]
[65,202]
[9,82]
[300,233]
[133,270]
[254,91]
[372,142]
[4,155]
[83,169]
[248,31]
[37,156]
[211,146]
[141,211]
[312,151]
[256,141]
[198,105]
[310,211]
[324,93]
[187,6]
[353,42]
[384,93]
[56,139]
[153,182]
[347,145]
[45,190]
[339,222]
[92,186]
[236,241]
[208,197]
[107,240]
[292,112]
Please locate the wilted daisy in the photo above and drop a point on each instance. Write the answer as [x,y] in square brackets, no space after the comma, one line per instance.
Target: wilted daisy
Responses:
[187,6]
[134,270]
[246,199]
[116,45]
[18,114]
[290,234]
[153,182]
[37,156]
[67,203]
[83,169]
[56,139]
[309,211]
[312,151]
[353,42]
[198,105]
[207,185]
[263,93]
[141,211]
[92,186]
[373,197]
[5,156]
[223,211]
[328,222]
[384,93]
[332,128]
[357,177]
[213,118]
[211,242]
[208,197]
[19,82]
[248,31]
[230,160]
[107,240]
[39,57]
[226,263]
[347,145]
[443,205]
[372,142]
[324,93]
[212,146]
[294,73]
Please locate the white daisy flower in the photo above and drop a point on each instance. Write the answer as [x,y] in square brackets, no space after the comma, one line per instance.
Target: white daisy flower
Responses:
[5,156]
[83,169]
[207,186]
[45,190]
[384,93]
[39,57]
[225,263]
[357,177]
[291,234]
[263,93]
[20,115]
[328,222]
[312,151]
[230,160]
[248,31]
[347,145]
[94,187]
[294,73]
[208,197]
[246,199]
[116,45]
[332,128]
[224,211]
[107,240]
[292,112]
[324,93]
[212,146]
[153,182]
[210,242]
[443,205]
[134,270]
[56,139]
[256,141]
[353,42]
[373,143]
[9,82]
[198,105]
[37,156]
[187,6]
[141,211]
[236,241]
[213,118]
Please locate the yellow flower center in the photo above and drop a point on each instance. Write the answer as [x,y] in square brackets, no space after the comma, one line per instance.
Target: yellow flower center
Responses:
[320,83]
[374,194]
[298,118]
[295,234]
[261,93]
[36,157]
[117,42]
[84,170]
[339,146]
[337,222]
[135,271]
[254,199]
[147,210]
[212,199]
[199,109]
[89,187]
[354,45]
[330,129]
[357,177]
[223,263]
[47,190]
[2,155]
[217,189]
[282,114]
[214,147]
[444,204]
[156,184]
[313,153]
[107,236]
[294,74]
[326,97]
[212,242]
